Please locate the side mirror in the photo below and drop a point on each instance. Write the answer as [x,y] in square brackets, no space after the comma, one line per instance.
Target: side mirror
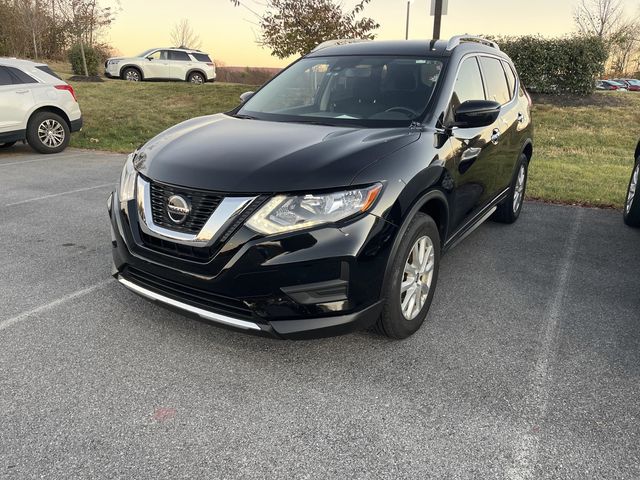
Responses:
[476,113]
[149,58]
[246,96]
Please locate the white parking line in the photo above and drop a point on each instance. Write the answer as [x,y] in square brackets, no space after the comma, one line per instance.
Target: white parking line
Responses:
[45,158]
[60,194]
[527,451]
[72,296]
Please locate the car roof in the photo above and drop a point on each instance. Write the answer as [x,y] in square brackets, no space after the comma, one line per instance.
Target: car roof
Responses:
[437,48]
[20,63]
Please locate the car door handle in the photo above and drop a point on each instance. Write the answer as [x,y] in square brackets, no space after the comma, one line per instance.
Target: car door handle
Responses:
[22,91]
[495,136]
[520,117]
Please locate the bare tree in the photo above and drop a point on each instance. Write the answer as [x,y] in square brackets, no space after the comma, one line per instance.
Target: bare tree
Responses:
[183,35]
[599,17]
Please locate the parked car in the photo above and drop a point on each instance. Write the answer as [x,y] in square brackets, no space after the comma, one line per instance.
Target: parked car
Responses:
[37,106]
[610,85]
[181,64]
[632,205]
[323,203]
[630,84]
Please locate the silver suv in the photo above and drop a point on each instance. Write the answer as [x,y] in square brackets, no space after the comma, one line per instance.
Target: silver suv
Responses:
[180,64]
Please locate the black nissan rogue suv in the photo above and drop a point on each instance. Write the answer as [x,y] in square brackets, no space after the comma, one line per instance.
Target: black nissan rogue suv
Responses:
[323,203]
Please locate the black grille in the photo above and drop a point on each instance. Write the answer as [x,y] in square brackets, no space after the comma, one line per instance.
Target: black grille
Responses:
[187,294]
[203,204]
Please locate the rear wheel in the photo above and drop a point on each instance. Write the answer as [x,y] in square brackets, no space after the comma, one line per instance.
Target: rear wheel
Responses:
[509,210]
[7,144]
[131,74]
[411,281]
[196,78]
[632,205]
[48,132]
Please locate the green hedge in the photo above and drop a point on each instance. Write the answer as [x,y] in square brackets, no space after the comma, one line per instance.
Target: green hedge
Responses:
[92,56]
[557,65]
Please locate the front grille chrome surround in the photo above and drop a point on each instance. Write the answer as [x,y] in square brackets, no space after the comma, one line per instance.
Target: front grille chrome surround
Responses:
[224,215]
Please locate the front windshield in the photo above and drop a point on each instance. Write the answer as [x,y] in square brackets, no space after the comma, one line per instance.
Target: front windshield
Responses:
[147,52]
[348,90]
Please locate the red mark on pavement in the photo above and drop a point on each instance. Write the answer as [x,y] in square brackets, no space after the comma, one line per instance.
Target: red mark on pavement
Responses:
[162,414]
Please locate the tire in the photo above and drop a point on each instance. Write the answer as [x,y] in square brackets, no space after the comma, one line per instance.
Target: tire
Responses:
[7,145]
[132,74]
[48,132]
[632,203]
[394,322]
[196,78]
[509,210]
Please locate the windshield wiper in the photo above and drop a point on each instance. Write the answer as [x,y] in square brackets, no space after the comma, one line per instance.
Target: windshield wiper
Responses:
[244,117]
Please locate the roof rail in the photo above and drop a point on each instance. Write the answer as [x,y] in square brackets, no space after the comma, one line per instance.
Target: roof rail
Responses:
[458,39]
[333,43]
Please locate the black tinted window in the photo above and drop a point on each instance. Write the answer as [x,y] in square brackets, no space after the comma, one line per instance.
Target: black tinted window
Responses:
[497,88]
[46,69]
[468,85]
[19,76]
[181,56]
[511,78]
[5,78]
[202,57]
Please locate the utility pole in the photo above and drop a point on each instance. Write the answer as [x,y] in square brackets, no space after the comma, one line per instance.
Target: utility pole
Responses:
[437,20]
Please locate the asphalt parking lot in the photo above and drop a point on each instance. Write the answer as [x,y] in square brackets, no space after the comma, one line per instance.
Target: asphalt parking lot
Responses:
[529,365]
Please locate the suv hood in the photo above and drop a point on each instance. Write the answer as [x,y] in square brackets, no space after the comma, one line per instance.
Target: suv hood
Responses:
[227,154]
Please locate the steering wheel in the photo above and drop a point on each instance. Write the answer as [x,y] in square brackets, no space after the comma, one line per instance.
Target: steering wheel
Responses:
[402,110]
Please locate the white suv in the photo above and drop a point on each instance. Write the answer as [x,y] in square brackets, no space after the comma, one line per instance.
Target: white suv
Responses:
[36,106]
[163,64]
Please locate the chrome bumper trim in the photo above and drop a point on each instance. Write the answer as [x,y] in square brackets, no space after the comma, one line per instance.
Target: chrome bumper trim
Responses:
[205,314]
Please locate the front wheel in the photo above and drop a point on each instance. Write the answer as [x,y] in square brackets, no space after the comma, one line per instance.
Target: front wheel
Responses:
[132,75]
[509,210]
[411,280]
[632,205]
[48,132]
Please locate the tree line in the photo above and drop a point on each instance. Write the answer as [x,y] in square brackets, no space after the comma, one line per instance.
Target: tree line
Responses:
[48,28]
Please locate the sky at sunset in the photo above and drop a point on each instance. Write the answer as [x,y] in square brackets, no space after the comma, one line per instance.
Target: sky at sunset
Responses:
[229,33]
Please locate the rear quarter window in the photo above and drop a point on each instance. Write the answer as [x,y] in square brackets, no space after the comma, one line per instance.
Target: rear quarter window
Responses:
[19,77]
[48,71]
[202,57]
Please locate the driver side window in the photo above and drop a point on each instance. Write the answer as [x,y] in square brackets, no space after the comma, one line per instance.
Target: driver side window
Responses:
[468,86]
[159,55]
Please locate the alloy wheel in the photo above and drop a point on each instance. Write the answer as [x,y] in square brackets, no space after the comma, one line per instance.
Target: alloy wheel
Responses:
[197,79]
[417,277]
[132,76]
[518,192]
[632,187]
[51,133]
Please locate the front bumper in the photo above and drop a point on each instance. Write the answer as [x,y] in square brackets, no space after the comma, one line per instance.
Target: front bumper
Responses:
[310,284]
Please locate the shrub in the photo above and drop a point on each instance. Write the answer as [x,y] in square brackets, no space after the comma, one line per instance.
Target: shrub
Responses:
[557,65]
[91,55]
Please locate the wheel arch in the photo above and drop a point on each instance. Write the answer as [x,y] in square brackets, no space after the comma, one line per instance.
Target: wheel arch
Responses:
[134,66]
[637,154]
[52,109]
[195,70]
[527,149]
[433,203]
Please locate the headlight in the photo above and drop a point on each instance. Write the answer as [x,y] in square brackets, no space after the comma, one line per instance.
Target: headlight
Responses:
[126,191]
[287,213]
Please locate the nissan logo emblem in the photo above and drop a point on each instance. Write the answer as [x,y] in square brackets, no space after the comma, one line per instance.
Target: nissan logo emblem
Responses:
[178,209]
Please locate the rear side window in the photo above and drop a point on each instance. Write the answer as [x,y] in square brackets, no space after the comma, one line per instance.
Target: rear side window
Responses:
[180,56]
[19,77]
[511,78]
[496,81]
[48,71]
[202,57]
[5,78]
